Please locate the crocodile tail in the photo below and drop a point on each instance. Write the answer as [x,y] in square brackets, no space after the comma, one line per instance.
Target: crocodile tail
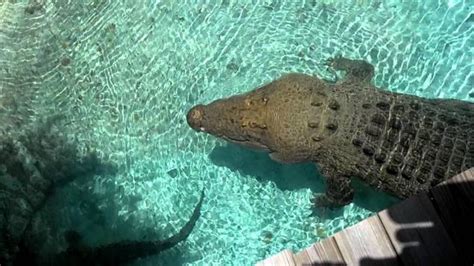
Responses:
[126,251]
[187,228]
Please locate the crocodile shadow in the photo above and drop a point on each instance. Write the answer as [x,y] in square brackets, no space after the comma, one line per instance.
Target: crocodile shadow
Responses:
[291,176]
[260,166]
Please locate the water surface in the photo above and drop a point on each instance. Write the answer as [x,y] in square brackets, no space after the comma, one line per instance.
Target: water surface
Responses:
[125,73]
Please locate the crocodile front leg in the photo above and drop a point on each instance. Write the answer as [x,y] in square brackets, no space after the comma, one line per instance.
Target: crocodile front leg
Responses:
[339,191]
[356,70]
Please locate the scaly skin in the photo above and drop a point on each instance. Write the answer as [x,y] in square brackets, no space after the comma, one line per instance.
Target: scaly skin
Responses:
[397,143]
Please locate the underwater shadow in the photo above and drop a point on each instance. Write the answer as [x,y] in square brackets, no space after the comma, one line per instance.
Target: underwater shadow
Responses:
[293,176]
[41,167]
[441,235]
[371,199]
[264,169]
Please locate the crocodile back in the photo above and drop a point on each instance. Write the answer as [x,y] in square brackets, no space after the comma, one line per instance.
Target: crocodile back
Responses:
[407,144]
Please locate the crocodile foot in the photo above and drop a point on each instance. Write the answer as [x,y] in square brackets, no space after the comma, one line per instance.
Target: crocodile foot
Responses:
[358,70]
[324,201]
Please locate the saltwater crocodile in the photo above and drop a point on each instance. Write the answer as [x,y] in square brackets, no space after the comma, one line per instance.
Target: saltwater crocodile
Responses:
[398,143]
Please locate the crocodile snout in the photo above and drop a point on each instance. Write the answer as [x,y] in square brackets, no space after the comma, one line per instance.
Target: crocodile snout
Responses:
[195,117]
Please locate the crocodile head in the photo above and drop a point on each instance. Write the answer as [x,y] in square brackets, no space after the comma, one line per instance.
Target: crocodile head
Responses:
[273,118]
[240,119]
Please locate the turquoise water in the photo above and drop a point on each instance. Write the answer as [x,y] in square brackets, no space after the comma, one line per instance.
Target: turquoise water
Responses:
[125,73]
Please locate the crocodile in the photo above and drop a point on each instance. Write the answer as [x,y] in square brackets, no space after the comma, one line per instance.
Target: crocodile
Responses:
[398,143]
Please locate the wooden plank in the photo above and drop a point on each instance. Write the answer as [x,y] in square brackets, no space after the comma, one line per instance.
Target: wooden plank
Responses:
[417,233]
[284,258]
[323,252]
[365,243]
[302,257]
[454,202]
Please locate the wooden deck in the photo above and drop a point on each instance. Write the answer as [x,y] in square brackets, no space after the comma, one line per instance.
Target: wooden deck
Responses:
[436,228]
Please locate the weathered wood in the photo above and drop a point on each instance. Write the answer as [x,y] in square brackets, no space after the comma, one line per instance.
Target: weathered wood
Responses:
[366,241]
[417,233]
[303,258]
[454,202]
[284,258]
[325,251]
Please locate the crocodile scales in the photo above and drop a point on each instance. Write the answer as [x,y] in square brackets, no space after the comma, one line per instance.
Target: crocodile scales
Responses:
[398,143]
